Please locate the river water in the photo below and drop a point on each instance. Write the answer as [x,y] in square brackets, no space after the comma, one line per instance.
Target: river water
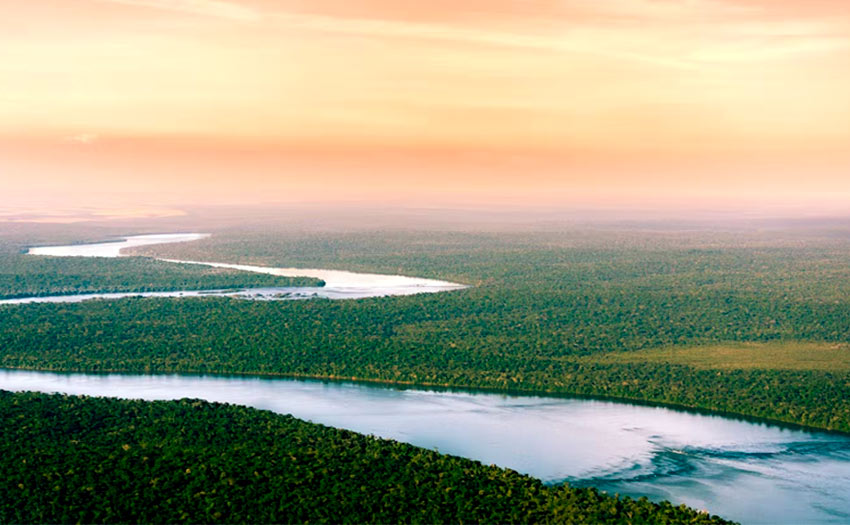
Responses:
[742,470]
[751,472]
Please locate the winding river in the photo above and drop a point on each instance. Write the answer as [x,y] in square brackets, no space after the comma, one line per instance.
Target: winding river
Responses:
[338,284]
[743,470]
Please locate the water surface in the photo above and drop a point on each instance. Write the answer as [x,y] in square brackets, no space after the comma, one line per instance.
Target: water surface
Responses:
[751,472]
[113,248]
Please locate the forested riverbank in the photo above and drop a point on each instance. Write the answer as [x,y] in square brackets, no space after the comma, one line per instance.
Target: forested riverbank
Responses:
[546,313]
[558,313]
[213,335]
[66,459]
[38,276]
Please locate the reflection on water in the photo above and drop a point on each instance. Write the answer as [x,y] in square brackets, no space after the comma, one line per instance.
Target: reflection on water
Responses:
[752,472]
[113,248]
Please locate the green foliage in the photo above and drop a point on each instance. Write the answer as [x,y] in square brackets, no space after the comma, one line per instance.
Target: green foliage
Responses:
[545,310]
[89,460]
[27,275]
[775,355]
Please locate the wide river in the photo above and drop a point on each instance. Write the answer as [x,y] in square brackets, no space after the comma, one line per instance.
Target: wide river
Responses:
[748,471]
[751,472]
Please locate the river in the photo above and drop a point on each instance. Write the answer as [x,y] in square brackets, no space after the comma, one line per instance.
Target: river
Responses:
[743,470]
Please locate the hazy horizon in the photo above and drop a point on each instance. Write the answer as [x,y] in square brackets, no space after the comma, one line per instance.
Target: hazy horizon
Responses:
[671,106]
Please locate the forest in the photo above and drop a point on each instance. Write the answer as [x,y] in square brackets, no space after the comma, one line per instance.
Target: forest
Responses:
[544,312]
[722,321]
[92,460]
[27,276]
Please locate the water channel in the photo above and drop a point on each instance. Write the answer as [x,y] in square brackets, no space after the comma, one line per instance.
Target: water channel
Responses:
[748,471]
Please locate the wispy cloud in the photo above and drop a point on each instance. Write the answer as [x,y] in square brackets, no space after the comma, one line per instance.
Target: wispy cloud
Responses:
[771,48]
[451,33]
[689,35]
[213,8]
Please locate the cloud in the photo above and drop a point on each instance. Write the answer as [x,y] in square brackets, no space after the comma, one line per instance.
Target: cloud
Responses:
[438,32]
[686,35]
[213,8]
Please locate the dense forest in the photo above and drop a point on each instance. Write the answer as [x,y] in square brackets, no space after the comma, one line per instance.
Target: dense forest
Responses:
[695,319]
[91,460]
[544,312]
[28,275]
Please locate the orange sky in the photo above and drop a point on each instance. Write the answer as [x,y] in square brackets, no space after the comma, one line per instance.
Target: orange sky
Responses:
[484,101]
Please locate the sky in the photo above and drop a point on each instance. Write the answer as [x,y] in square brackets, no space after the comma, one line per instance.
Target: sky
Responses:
[619,103]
